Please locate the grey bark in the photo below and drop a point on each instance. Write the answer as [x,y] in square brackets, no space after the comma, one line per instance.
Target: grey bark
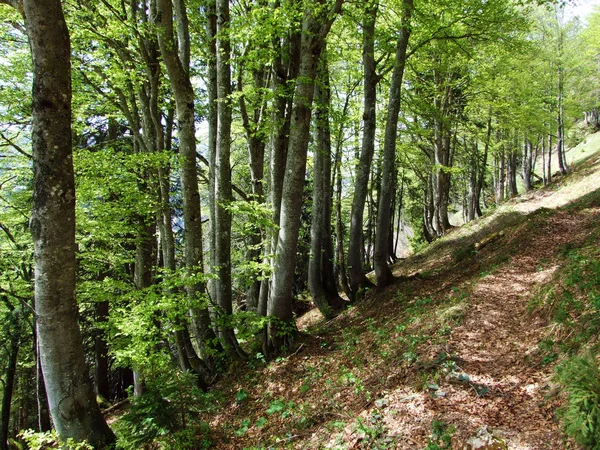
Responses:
[184,100]
[211,87]
[281,330]
[73,406]
[357,278]
[380,258]
[223,194]
[321,280]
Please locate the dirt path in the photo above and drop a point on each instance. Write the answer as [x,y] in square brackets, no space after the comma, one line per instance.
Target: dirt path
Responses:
[498,342]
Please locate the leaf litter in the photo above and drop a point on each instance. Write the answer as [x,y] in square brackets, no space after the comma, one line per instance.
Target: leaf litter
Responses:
[453,342]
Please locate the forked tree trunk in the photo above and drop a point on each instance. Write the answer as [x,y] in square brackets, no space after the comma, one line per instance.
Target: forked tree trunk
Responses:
[382,270]
[282,328]
[71,397]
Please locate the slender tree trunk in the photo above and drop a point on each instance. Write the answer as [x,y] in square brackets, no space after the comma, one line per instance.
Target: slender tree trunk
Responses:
[223,195]
[544,176]
[382,270]
[340,272]
[549,158]
[71,397]
[314,31]
[256,154]
[560,126]
[184,100]
[357,277]
[213,120]
[512,169]
[527,164]
[9,383]
[101,366]
[320,270]
[483,166]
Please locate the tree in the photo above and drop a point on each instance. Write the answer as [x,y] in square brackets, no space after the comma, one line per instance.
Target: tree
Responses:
[357,277]
[73,406]
[176,57]
[321,280]
[381,253]
[222,184]
[316,24]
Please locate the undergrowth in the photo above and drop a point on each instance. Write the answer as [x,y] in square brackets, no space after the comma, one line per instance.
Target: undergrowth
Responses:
[572,303]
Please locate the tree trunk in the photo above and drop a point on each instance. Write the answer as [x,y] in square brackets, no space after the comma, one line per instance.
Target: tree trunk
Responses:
[223,195]
[527,164]
[256,154]
[321,280]
[184,100]
[213,120]
[549,170]
[512,170]
[101,367]
[357,277]
[483,166]
[71,397]
[9,382]
[340,272]
[282,328]
[382,270]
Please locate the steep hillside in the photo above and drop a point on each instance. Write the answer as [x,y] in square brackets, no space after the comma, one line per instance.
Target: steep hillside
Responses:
[465,342]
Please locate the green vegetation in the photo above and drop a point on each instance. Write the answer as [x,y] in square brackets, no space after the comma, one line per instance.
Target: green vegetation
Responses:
[236,164]
[580,378]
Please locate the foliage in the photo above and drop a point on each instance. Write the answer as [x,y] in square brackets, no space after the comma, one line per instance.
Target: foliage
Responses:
[166,414]
[580,378]
[50,439]
[441,436]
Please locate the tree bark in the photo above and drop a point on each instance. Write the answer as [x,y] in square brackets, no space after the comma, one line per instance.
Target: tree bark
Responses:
[71,397]
[282,328]
[321,280]
[101,367]
[382,270]
[184,100]
[223,194]
[357,278]
[9,382]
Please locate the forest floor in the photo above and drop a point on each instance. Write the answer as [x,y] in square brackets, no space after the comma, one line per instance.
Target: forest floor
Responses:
[461,342]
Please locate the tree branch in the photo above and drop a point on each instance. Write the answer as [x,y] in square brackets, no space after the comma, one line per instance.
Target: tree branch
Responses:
[13,144]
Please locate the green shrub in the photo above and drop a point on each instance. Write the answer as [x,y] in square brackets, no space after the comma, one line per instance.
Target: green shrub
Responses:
[165,415]
[580,378]
[49,440]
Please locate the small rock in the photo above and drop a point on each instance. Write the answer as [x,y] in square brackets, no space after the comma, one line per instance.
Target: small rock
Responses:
[484,440]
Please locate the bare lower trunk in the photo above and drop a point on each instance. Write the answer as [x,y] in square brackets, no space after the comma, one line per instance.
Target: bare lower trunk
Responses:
[382,270]
[320,272]
[71,398]
[357,277]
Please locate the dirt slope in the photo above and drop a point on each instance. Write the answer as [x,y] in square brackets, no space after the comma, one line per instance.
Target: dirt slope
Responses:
[450,348]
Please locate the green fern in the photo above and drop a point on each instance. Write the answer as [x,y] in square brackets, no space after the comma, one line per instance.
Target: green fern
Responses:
[580,378]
